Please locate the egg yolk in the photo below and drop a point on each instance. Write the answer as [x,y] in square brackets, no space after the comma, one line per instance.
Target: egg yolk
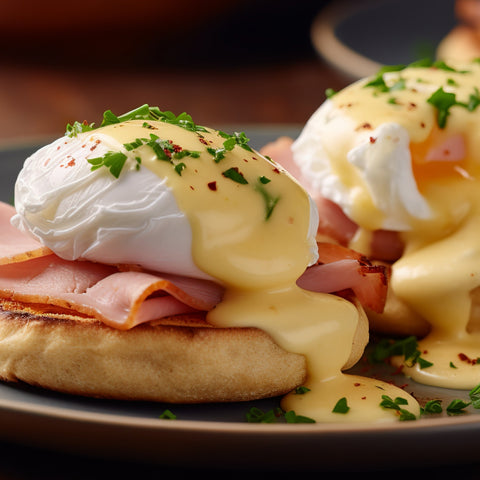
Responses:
[441,155]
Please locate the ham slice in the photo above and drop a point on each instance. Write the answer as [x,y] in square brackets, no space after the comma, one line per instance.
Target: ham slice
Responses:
[15,246]
[340,268]
[35,277]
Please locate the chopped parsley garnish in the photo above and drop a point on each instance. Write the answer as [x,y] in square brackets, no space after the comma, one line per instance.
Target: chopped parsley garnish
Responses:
[238,138]
[235,175]
[442,101]
[292,417]
[432,407]
[301,390]
[264,180]
[457,407]
[330,92]
[145,112]
[341,406]
[257,415]
[404,415]
[473,100]
[179,167]
[114,161]
[407,347]
[270,201]
[78,127]
[165,150]
[474,395]
[167,415]
[379,82]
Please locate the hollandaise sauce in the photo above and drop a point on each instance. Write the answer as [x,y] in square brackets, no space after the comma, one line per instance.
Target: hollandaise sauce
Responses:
[252,231]
[439,272]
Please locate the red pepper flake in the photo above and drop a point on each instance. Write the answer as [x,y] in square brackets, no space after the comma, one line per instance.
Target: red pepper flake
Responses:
[364,398]
[212,186]
[93,147]
[365,126]
[276,170]
[177,148]
[373,139]
[71,162]
[191,187]
[202,140]
[412,106]
[422,124]
[356,384]
[58,148]
[465,358]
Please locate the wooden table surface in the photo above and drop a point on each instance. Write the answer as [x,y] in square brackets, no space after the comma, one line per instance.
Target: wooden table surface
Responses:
[251,63]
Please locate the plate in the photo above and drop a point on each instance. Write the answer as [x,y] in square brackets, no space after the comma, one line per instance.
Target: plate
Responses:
[217,435]
[357,37]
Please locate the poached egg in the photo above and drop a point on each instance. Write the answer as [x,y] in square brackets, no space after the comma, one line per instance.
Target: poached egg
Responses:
[162,193]
[398,151]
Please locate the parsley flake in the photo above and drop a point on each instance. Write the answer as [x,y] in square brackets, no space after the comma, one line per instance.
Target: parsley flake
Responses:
[432,407]
[235,175]
[389,403]
[341,406]
[114,161]
[257,415]
[442,101]
[168,415]
[407,347]
[78,127]
[269,200]
[301,390]
[292,417]
[474,395]
[457,407]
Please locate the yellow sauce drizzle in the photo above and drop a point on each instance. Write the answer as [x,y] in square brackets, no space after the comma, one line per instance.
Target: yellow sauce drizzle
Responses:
[441,264]
[259,261]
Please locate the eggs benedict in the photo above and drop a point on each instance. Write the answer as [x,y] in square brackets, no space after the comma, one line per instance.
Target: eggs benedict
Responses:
[393,160]
[150,204]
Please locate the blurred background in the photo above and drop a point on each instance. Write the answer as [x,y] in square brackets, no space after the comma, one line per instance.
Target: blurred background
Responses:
[225,62]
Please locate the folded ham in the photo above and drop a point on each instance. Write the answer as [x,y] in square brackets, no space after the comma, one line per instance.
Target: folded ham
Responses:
[32,275]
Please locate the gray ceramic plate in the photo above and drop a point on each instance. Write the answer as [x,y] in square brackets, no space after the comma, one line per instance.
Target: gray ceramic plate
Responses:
[358,36]
[218,435]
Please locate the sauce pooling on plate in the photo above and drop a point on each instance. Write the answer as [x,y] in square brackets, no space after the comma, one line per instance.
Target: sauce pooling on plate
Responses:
[253,230]
[408,162]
